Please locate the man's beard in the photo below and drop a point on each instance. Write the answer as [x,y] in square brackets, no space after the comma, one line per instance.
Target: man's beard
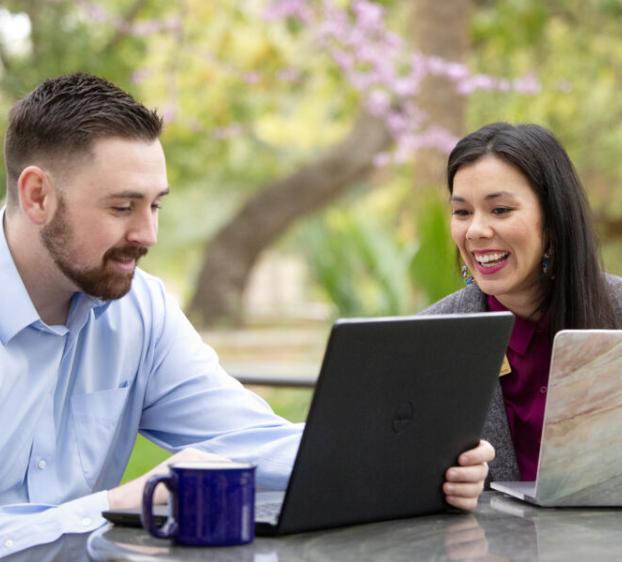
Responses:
[98,282]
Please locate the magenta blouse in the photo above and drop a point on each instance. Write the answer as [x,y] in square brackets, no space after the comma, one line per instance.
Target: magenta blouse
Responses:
[524,389]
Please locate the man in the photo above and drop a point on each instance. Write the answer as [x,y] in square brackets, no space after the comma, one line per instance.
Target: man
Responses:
[93,350]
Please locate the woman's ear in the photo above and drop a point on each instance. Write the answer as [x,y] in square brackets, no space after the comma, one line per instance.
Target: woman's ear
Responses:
[36,194]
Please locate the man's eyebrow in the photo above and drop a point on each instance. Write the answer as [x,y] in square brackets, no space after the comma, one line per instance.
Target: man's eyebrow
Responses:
[135,194]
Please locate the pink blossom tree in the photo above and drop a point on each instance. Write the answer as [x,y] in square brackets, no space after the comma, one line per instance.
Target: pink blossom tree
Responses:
[398,118]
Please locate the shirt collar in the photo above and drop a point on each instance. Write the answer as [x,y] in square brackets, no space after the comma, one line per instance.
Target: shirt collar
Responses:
[16,308]
[523,331]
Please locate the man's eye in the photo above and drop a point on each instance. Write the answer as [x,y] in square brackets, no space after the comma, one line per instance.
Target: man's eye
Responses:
[156,206]
[121,209]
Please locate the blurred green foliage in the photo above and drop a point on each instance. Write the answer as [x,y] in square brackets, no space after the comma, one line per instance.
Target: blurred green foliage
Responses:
[574,49]
[248,101]
[433,268]
[359,266]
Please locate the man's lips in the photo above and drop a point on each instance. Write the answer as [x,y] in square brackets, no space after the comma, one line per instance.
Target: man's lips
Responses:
[125,258]
[127,265]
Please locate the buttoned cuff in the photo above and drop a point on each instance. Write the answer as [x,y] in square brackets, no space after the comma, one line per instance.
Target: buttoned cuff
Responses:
[25,525]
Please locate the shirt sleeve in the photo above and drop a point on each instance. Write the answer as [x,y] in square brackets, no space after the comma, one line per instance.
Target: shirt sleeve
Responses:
[190,401]
[25,525]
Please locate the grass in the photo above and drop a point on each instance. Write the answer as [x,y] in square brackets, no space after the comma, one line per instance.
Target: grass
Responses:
[292,404]
[144,457]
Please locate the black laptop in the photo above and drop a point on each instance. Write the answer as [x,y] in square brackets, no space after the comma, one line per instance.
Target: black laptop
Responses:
[397,400]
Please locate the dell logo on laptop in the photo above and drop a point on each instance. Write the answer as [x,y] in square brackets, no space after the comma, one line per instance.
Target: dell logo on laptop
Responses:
[403,416]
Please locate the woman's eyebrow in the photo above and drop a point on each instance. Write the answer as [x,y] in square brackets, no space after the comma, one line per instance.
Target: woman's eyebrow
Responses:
[495,195]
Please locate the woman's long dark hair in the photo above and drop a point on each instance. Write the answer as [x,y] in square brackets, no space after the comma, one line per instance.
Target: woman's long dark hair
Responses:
[577,295]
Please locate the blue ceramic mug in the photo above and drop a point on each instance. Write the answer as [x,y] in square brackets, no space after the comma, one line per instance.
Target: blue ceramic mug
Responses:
[212,504]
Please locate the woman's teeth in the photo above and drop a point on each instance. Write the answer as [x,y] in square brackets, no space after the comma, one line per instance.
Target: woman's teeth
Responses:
[492,258]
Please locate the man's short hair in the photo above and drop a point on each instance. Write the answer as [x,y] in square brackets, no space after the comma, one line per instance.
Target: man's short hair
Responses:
[64,116]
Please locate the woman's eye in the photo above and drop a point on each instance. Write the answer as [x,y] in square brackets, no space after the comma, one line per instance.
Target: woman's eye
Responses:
[459,212]
[501,210]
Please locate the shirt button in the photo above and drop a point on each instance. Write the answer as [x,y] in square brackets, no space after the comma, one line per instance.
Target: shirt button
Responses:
[41,464]
[8,543]
[86,521]
[543,389]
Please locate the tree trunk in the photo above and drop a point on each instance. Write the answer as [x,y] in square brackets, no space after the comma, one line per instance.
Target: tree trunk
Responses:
[231,254]
[440,29]
[609,228]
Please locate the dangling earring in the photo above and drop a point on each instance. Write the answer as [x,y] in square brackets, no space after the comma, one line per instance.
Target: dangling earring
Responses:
[546,263]
[466,275]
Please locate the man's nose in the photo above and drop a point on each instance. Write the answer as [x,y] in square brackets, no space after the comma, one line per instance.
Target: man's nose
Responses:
[144,231]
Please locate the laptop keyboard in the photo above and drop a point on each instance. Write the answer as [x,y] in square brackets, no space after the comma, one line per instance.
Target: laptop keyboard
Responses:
[267,511]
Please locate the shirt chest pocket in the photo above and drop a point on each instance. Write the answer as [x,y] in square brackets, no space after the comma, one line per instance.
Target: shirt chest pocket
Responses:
[96,420]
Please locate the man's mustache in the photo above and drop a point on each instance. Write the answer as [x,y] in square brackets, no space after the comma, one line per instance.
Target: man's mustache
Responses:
[125,253]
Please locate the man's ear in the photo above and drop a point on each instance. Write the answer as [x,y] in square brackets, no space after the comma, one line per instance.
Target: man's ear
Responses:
[36,194]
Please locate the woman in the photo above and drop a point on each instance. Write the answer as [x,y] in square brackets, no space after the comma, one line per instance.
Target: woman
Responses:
[521,223]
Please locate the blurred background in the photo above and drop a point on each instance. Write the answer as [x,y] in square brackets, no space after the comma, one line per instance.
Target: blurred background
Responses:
[306,143]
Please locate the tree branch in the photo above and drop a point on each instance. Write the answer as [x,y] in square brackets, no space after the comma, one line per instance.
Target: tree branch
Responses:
[235,248]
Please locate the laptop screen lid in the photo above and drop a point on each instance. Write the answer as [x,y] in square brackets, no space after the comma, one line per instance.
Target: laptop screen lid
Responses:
[580,461]
[397,400]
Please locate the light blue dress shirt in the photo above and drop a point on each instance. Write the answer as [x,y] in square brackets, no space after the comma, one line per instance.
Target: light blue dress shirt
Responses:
[74,397]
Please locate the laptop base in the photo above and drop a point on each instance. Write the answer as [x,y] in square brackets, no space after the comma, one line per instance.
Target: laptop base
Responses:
[525,491]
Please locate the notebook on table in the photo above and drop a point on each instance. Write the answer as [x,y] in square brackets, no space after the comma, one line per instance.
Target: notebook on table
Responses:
[580,462]
[397,400]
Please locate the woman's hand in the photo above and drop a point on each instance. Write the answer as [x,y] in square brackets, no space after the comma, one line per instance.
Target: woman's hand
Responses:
[464,483]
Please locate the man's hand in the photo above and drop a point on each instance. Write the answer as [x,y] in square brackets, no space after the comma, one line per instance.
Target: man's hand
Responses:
[464,484]
[130,494]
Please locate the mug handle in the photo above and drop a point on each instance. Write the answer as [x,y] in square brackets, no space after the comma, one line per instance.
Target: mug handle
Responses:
[169,529]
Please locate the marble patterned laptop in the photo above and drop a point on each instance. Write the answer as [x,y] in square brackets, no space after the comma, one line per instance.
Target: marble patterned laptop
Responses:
[580,460]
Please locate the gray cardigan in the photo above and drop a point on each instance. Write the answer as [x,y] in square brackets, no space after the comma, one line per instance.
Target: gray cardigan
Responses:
[496,429]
